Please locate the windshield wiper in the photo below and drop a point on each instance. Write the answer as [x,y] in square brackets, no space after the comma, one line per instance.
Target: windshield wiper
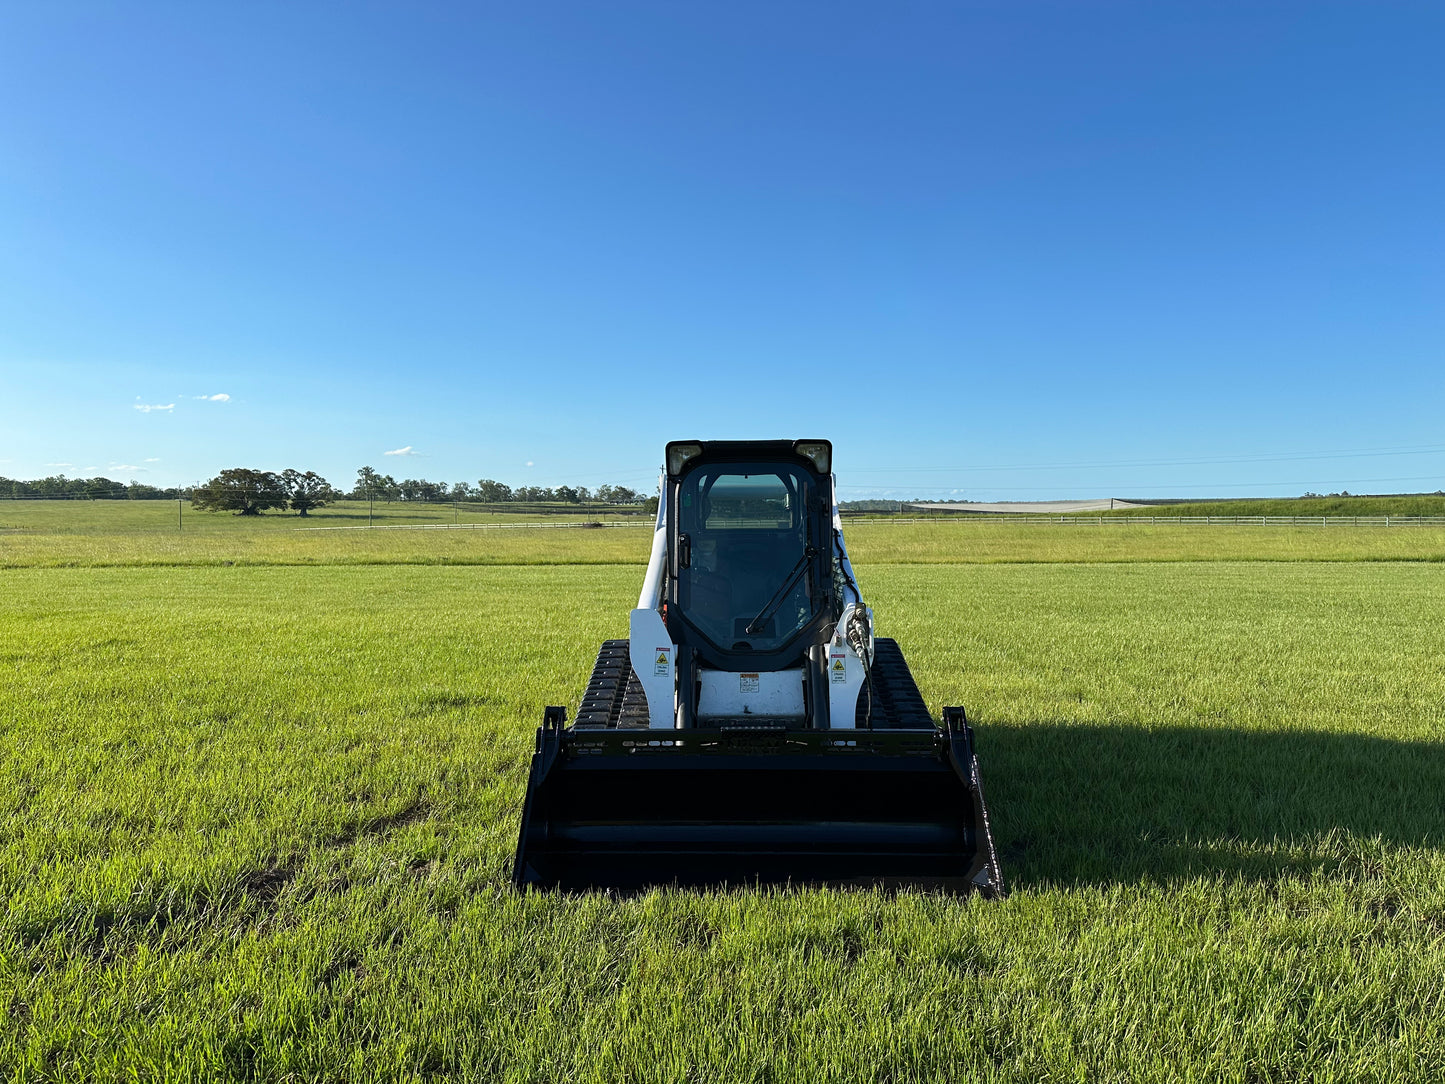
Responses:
[777,600]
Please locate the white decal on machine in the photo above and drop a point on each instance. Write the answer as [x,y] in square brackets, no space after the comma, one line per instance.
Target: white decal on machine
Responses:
[837,672]
[663,659]
[748,683]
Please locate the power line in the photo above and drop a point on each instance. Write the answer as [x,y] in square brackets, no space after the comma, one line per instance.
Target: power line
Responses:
[1283,457]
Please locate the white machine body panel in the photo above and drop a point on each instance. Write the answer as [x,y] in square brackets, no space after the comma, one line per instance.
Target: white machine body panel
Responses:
[846,673]
[654,660]
[724,694]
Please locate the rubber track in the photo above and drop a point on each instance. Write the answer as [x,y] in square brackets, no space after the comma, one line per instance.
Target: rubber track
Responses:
[614,696]
[897,703]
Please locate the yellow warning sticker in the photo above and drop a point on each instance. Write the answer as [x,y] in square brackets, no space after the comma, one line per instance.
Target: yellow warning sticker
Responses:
[660,667]
[837,672]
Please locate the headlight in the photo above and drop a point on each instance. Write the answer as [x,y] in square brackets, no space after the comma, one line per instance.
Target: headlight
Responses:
[679,455]
[819,451]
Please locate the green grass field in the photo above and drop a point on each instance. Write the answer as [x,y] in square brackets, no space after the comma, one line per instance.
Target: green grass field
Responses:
[133,533]
[256,818]
[163,517]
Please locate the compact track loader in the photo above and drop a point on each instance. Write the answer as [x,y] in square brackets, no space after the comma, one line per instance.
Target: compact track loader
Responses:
[752,729]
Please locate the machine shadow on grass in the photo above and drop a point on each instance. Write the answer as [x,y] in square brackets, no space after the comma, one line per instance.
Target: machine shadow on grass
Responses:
[1115,804]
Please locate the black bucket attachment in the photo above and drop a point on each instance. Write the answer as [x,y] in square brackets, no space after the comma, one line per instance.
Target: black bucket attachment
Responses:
[621,809]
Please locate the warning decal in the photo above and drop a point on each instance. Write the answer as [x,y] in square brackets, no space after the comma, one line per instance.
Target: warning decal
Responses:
[660,667]
[837,672]
[748,683]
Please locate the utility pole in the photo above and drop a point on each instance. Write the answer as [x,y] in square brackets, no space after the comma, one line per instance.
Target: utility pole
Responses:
[178,513]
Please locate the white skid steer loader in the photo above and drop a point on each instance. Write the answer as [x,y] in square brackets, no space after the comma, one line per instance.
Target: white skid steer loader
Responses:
[752,730]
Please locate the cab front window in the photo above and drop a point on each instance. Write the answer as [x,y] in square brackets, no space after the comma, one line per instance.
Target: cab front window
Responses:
[746,587]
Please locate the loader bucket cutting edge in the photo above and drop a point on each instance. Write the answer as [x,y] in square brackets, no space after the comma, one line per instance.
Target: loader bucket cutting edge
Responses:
[626,810]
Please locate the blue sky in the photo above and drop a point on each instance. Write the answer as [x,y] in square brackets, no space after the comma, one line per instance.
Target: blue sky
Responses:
[994,250]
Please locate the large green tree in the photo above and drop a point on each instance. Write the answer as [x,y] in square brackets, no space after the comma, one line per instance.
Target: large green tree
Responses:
[244,492]
[306,491]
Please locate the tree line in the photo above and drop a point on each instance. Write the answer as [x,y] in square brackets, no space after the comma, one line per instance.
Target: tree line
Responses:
[59,487]
[250,492]
[371,485]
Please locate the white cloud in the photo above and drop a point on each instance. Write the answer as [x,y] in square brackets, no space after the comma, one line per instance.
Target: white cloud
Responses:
[221,397]
[124,466]
[154,459]
[60,464]
[402,451]
[530,463]
[146,408]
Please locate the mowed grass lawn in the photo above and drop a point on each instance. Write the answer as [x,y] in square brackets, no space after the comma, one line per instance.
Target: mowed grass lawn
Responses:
[256,822]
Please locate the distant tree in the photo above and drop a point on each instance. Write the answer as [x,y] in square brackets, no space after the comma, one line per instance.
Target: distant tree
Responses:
[102,489]
[568,494]
[57,485]
[419,489]
[367,484]
[306,491]
[460,491]
[370,486]
[244,492]
[488,490]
